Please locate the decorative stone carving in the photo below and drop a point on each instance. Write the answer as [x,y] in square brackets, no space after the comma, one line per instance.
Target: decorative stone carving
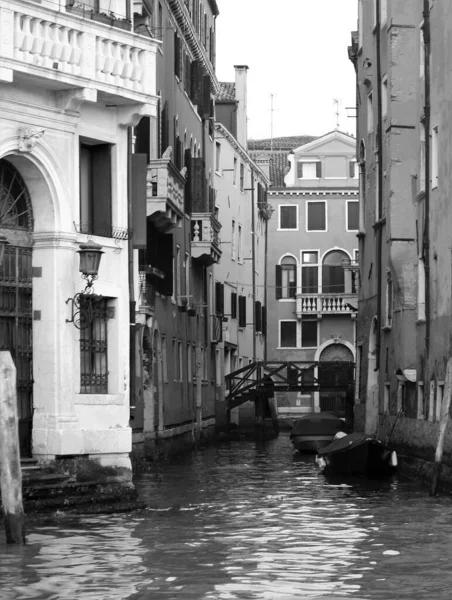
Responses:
[28,137]
[168,152]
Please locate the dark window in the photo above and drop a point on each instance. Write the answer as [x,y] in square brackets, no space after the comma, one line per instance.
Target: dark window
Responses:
[177,56]
[95,189]
[288,331]
[258,316]
[333,279]
[309,333]
[316,216]
[157,260]
[242,311]
[352,216]
[219,298]
[410,399]
[288,217]
[264,320]
[286,276]
[233,305]
[93,348]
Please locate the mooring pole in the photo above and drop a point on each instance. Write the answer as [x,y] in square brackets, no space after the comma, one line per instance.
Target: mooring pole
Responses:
[442,428]
[10,473]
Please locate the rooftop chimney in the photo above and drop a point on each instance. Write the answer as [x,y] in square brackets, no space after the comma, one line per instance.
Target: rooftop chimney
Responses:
[241,97]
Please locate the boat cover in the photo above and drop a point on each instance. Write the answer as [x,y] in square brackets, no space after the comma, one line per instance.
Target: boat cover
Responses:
[348,442]
[322,423]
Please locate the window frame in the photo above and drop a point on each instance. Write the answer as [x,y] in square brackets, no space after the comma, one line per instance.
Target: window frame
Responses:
[295,268]
[309,202]
[347,204]
[315,265]
[297,228]
[309,319]
[218,169]
[316,161]
[280,321]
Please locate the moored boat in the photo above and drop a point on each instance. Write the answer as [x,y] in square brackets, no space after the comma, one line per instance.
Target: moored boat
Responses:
[357,454]
[313,431]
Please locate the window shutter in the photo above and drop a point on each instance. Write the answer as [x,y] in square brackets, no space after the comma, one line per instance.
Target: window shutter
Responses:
[242,311]
[258,315]
[299,170]
[206,97]
[165,264]
[351,169]
[101,161]
[142,137]
[176,55]
[278,282]
[219,298]
[318,169]
[233,305]
[197,184]
[165,127]
[138,174]
[188,182]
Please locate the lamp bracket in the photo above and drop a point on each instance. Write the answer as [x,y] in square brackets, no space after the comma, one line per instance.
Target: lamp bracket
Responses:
[82,304]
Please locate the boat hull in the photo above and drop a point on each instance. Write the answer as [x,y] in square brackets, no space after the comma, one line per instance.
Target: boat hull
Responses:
[356,455]
[310,443]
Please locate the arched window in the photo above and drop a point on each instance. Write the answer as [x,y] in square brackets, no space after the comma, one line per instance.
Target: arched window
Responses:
[333,274]
[286,278]
[15,204]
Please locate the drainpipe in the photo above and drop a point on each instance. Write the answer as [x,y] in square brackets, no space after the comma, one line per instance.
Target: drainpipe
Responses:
[381,220]
[253,262]
[132,316]
[426,252]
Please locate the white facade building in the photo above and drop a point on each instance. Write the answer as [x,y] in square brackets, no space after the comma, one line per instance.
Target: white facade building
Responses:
[70,86]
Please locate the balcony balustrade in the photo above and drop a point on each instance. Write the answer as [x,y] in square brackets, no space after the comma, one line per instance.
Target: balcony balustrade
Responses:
[326,304]
[67,51]
[205,238]
[165,194]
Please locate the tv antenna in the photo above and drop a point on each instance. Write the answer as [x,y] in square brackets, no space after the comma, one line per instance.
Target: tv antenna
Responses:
[336,103]
[271,121]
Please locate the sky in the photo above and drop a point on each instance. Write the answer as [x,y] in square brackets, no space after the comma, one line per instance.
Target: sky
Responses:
[297,51]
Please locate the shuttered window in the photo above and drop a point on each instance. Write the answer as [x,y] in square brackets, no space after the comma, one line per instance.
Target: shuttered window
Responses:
[219,298]
[288,217]
[242,311]
[95,189]
[233,305]
[258,316]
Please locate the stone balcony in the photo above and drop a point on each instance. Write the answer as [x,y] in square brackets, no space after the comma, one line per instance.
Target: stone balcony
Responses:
[326,304]
[205,238]
[165,194]
[48,45]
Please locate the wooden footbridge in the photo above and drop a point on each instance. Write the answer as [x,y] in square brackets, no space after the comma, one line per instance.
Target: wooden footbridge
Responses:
[263,378]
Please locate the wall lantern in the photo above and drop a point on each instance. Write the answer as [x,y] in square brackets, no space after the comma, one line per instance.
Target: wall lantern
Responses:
[83,302]
[3,243]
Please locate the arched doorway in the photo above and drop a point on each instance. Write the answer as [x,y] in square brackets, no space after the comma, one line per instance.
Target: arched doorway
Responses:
[337,354]
[16,223]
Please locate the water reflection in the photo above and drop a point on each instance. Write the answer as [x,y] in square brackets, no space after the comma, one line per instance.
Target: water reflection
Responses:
[243,521]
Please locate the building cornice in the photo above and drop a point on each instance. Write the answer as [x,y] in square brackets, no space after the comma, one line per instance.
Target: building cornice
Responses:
[183,19]
[241,150]
[313,192]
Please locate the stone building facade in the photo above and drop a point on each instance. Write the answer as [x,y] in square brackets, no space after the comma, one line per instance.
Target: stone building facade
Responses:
[240,276]
[312,297]
[405,308]
[72,84]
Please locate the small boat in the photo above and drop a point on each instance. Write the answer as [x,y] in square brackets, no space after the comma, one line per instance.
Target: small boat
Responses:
[357,454]
[314,431]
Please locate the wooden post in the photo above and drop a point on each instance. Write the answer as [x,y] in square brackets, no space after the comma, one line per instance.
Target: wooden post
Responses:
[442,428]
[10,472]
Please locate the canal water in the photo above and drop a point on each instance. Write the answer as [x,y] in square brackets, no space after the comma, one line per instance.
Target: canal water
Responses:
[243,521]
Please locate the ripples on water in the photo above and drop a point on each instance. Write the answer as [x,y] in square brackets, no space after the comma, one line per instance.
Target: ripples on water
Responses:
[243,521]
